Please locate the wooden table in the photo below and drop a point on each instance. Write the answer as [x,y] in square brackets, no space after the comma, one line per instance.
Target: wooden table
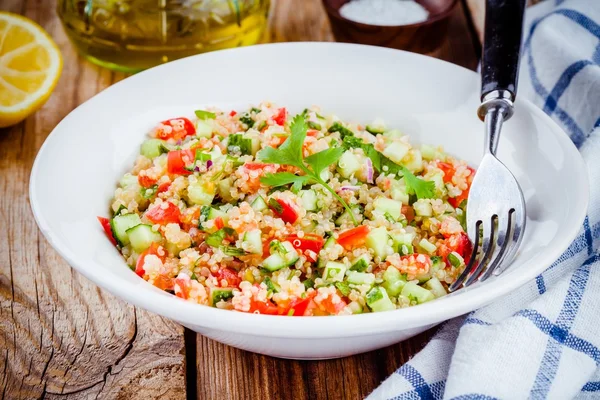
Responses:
[63,337]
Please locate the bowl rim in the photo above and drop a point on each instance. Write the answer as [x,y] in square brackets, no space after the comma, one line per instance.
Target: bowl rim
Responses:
[192,314]
[335,13]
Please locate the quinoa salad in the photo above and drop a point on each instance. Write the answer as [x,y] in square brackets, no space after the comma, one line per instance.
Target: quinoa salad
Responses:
[266,212]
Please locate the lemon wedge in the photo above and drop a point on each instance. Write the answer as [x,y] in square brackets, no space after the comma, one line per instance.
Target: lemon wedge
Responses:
[30,65]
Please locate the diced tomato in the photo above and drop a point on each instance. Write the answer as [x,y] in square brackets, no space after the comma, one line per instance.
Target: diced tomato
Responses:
[105,222]
[266,248]
[263,307]
[233,113]
[182,287]
[152,250]
[408,212]
[309,241]
[456,201]
[255,166]
[163,282]
[175,128]
[447,169]
[299,306]
[145,181]
[177,160]
[459,243]
[163,187]
[353,237]
[219,223]
[312,132]
[160,215]
[229,275]
[279,118]
[285,211]
[327,305]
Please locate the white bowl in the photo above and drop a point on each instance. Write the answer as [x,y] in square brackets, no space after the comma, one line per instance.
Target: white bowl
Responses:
[76,170]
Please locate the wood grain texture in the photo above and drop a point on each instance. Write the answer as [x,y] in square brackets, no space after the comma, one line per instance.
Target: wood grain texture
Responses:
[60,335]
[227,373]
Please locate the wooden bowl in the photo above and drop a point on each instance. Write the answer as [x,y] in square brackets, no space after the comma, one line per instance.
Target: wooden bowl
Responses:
[423,37]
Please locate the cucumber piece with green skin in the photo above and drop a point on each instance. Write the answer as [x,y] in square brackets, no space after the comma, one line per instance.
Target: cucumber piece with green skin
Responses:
[255,145]
[396,151]
[428,152]
[238,141]
[423,208]
[400,195]
[203,129]
[377,240]
[378,300]
[128,180]
[259,204]
[208,213]
[218,294]
[283,254]
[345,217]
[393,133]
[348,164]
[252,242]
[384,205]
[355,307]
[142,236]
[330,242]
[393,281]
[427,246]
[334,271]
[360,278]
[201,193]
[412,290]
[153,148]
[456,259]
[309,199]
[376,128]
[436,287]
[224,189]
[361,264]
[120,224]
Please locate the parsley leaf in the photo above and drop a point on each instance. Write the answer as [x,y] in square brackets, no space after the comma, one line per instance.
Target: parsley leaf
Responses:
[422,189]
[290,153]
[337,127]
[379,160]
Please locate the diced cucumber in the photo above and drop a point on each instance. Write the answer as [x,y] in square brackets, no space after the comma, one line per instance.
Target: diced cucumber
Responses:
[361,264]
[423,208]
[400,195]
[152,148]
[274,262]
[393,133]
[393,281]
[400,239]
[377,127]
[348,164]
[203,129]
[384,205]
[431,153]
[252,242]
[259,204]
[207,213]
[421,295]
[201,193]
[218,294]
[414,161]
[272,286]
[378,300]
[128,180]
[325,175]
[330,242]
[396,151]
[215,153]
[309,199]
[360,278]
[355,307]
[314,125]
[377,240]
[346,218]
[427,246]
[224,189]
[436,287]
[334,271]
[255,145]
[142,236]
[239,144]
[120,224]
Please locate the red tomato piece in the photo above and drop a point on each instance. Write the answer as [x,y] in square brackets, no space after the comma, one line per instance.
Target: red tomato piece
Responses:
[163,187]
[263,307]
[447,169]
[353,237]
[279,118]
[285,211]
[299,306]
[182,287]
[254,166]
[229,275]
[145,181]
[309,241]
[160,215]
[219,223]
[163,282]
[152,250]
[233,113]
[327,305]
[408,212]
[177,160]
[312,132]
[176,128]
[105,222]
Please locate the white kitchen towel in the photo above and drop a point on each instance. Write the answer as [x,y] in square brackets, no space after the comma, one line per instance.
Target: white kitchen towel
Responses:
[543,340]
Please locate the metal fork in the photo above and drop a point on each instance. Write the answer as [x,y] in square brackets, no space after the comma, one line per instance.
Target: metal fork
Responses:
[496,208]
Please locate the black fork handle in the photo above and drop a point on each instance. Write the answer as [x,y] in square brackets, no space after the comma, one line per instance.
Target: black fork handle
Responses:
[502,46]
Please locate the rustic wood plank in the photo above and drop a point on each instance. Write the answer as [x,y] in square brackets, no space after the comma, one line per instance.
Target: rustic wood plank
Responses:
[60,335]
[226,372]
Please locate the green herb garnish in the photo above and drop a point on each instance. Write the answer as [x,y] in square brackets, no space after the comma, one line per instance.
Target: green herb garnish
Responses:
[247,120]
[201,114]
[216,239]
[422,189]
[337,127]
[314,125]
[290,153]
[148,193]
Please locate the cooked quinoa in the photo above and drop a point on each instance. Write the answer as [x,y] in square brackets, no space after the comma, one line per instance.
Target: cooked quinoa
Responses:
[260,212]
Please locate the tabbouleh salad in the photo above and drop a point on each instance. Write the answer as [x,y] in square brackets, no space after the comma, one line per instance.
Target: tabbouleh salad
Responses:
[263,212]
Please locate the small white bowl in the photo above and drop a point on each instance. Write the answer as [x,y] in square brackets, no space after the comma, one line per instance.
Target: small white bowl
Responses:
[76,170]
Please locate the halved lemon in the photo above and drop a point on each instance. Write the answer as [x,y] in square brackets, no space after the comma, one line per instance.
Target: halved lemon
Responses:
[30,65]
